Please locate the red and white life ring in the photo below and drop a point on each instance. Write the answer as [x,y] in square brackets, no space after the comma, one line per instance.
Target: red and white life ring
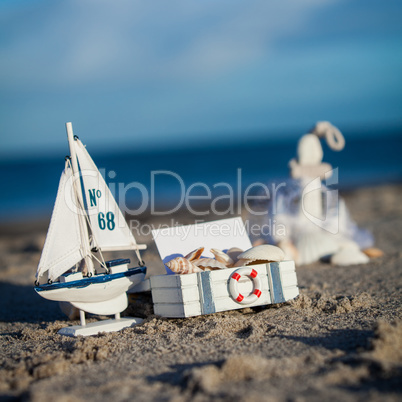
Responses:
[234,279]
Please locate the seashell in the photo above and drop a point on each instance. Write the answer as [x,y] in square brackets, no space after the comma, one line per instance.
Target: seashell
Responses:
[195,255]
[222,257]
[241,263]
[309,150]
[260,255]
[313,246]
[181,265]
[210,263]
[234,253]
[373,252]
[349,256]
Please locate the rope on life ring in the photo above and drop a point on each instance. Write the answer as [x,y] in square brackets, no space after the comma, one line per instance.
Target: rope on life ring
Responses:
[234,292]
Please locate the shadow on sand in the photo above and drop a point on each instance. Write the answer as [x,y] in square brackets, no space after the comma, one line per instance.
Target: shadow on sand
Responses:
[344,339]
[181,373]
[20,303]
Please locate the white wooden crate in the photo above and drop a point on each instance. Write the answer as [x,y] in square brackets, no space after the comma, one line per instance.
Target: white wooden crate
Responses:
[208,292]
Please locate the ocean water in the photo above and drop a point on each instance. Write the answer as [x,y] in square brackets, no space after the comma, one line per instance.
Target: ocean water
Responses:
[162,178]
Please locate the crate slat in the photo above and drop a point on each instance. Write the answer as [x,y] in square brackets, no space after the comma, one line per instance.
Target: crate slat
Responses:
[208,292]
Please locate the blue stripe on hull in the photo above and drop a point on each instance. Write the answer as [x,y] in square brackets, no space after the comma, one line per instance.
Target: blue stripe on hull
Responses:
[82,283]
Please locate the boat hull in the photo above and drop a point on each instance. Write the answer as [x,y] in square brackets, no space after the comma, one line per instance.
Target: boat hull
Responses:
[96,289]
[108,307]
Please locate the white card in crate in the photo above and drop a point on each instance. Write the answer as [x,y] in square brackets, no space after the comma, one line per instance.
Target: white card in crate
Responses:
[178,241]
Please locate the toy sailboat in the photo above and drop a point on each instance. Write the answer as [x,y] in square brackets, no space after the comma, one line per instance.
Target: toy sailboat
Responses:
[87,221]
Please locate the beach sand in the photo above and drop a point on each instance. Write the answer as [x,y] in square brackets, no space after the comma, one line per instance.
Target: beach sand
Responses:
[340,340]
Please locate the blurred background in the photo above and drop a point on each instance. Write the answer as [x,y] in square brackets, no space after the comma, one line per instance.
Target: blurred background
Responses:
[201,88]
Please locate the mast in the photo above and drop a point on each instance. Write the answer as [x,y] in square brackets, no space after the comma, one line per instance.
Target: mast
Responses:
[77,187]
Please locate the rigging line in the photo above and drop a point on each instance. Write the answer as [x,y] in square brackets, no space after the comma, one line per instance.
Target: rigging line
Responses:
[136,250]
[95,242]
[103,264]
[79,197]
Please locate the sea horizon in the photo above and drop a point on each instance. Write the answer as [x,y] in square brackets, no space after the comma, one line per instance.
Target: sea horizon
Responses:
[31,183]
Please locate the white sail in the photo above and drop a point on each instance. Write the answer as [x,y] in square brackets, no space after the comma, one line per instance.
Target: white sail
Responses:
[62,249]
[108,225]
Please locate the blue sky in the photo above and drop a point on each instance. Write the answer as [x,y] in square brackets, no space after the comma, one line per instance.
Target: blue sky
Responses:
[181,72]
